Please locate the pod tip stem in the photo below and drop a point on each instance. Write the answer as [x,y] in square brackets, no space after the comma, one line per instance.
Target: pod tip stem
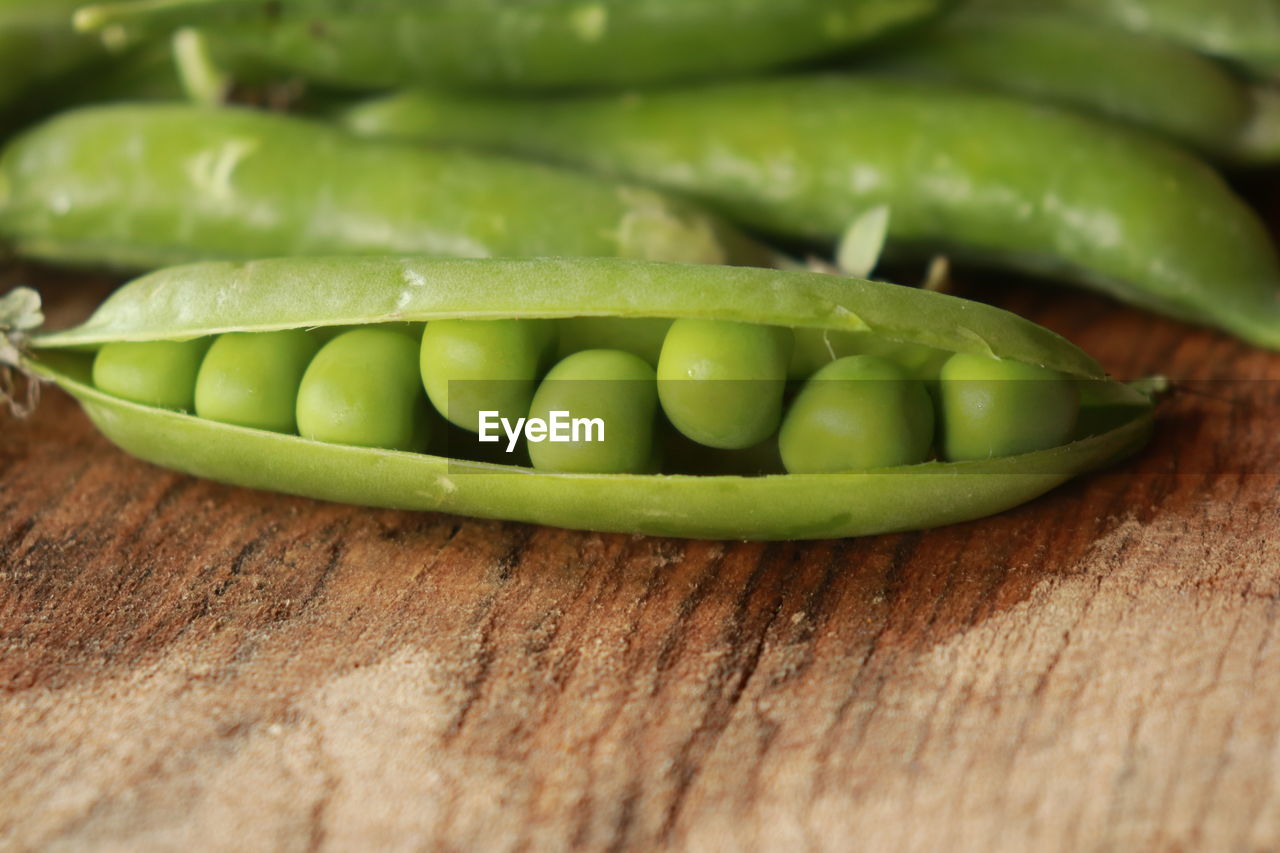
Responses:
[1153,387]
[20,314]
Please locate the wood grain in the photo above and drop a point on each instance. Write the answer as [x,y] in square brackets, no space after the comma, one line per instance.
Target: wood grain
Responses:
[190,665]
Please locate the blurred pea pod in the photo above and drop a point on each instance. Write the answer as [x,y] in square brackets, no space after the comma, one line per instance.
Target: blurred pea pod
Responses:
[138,186]
[1135,78]
[506,44]
[1245,32]
[37,44]
[979,175]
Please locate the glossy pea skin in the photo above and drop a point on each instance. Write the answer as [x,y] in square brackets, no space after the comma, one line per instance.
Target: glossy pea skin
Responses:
[992,407]
[614,386]
[153,373]
[362,388]
[251,379]
[469,366]
[721,382]
[857,413]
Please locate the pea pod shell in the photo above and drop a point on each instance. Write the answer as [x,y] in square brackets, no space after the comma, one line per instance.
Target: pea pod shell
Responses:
[212,298]
[1038,189]
[1246,32]
[143,186]
[37,45]
[1059,58]
[542,45]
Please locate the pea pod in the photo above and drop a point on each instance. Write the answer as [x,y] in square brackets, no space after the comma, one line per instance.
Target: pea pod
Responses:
[203,300]
[38,44]
[1037,189]
[1059,58]
[521,45]
[1246,32]
[144,186]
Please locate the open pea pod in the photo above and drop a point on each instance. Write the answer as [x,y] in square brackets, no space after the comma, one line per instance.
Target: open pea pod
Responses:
[189,302]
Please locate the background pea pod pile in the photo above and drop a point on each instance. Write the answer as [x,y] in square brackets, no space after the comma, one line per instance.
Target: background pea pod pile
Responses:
[311,166]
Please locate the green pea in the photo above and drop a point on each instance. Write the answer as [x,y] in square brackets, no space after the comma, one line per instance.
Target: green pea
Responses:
[470,366]
[857,413]
[613,387]
[721,382]
[994,407]
[641,336]
[154,373]
[251,379]
[362,388]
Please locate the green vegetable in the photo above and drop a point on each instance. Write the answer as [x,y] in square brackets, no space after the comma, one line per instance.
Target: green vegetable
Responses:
[858,413]
[251,380]
[979,175]
[550,44]
[364,388]
[143,186]
[1246,32]
[474,365]
[993,407]
[38,45]
[721,382]
[153,373]
[1059,58]
[608,390]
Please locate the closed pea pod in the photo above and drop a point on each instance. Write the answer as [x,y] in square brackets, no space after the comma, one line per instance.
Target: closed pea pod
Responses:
[362,388]
[1246,32]
[609,398]
[721,382]
[251,380]
[1065,59]
[38,46]
[858,413]
[1040,190]
[140,186]
[551,44]
[266,296]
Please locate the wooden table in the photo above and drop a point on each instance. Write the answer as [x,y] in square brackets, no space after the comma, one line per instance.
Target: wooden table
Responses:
[187,665]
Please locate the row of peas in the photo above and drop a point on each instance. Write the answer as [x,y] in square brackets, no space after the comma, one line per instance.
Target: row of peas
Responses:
[721,385]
